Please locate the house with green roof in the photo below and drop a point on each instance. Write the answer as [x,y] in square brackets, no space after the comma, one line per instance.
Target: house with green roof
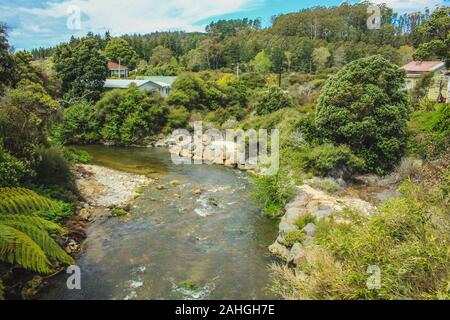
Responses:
[160,84]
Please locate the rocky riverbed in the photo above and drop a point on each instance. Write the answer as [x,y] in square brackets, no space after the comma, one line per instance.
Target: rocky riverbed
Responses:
[102,189]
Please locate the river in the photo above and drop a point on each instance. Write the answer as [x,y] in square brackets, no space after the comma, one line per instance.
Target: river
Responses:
[176,245]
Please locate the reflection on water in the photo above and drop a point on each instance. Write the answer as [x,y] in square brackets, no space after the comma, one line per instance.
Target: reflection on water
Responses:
[176,245]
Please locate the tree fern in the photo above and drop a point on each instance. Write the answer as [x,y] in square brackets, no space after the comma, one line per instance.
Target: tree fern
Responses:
[17,247]
[35,221]
[43,240]
[24,201]
[24,236]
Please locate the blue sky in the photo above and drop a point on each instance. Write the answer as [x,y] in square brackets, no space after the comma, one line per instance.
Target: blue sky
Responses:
[35,23]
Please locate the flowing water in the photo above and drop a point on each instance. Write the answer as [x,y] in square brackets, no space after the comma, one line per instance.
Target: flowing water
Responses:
[175,245]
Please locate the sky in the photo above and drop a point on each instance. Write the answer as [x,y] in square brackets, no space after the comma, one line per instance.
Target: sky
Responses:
[44,23]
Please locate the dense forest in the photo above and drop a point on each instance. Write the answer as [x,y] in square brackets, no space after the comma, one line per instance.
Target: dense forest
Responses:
[332,86]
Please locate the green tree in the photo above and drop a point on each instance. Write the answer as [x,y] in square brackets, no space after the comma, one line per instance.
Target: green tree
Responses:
[272,100]
[189,91]
[119,50]
[24,116]
[82,69]
[262,63]
[339,57]
[160,55]
[279,60]
[364,106]
[321,57]
[129,116]
[436,31]
[6,61]
[79,125]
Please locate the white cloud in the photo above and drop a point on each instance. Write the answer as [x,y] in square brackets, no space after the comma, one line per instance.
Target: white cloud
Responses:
[141,16]
[410,5]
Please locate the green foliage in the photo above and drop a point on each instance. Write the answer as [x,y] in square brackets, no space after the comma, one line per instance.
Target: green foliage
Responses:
[293,236]
[408,240]
[365,107]
[119,213]
[409,246]
[262,63]
[54,169]
[188,91]
[7,64]
[76,155]
[327,159]
[24,117]
[421,87]
[160,56]
[273,192]
[119,49]
[23,201]
[430,131]
[177,118]
[12,170]
[436,30]
[272,100]
[79,126]
[303,220]
[128,116]
[82,69]
[25,240]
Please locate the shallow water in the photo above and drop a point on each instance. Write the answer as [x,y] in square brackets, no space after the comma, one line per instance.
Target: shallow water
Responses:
[175,245]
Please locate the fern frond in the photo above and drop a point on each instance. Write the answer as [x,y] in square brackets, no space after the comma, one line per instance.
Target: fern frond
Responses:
[23,201]
[35,221]
[17,247]
[43,240]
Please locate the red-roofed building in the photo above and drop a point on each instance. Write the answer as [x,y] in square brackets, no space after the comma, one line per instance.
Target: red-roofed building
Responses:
[439,87]
[117,70]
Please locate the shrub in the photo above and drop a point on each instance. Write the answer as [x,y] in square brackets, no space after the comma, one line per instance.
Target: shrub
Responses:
[79,125]
[327,184]
[430,130]
[54,169]
[294,236]
[188,91]
[127,117]
[365,107]
[327,159]
[178,117]
[12,170]
[273,192]
[272,100]
[76,155]
[303,220]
